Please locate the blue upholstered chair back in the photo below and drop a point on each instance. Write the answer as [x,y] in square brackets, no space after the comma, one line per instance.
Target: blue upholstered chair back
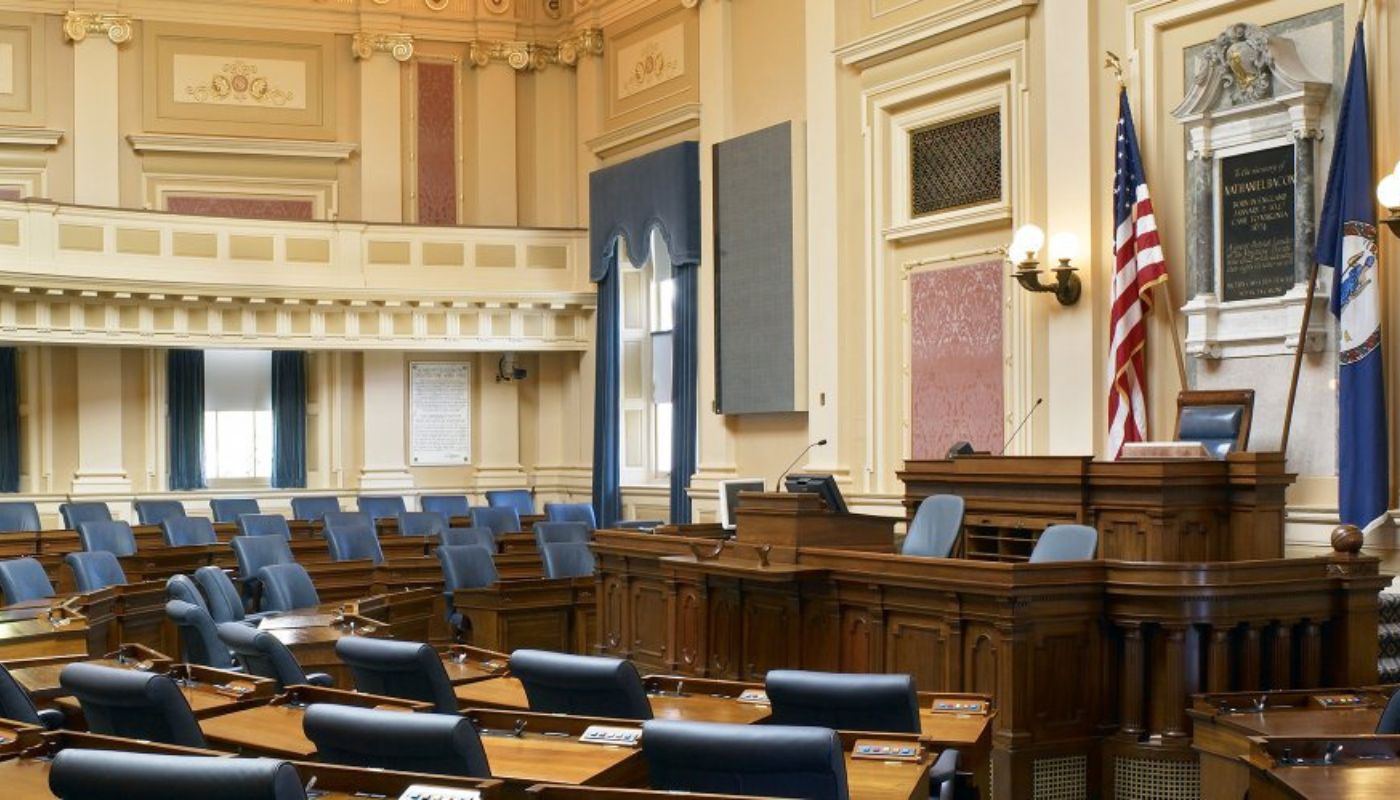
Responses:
[154,512]
[199,640]
[225,605]
[255,552]
[19,518]
[435,744]
[1389,724]
[18,706]
[182,588]
[74,513]
[448,505]
[934,530]
[262,654]
[1065,543]
[567,560]
[96,570]
[113,536]
[590,686]
[351,540]
[422,523]
[478,536]
[571,512]
[766,760]
[499,520]
[287,587]
[519,499]
[24,579]
[114,775]
[311,509]
[1219,419]
[381,507]
[188,531]
[229,509]
[132,705]
[264,525]
[843,701]
[560,532]
[407,670]
[466,566]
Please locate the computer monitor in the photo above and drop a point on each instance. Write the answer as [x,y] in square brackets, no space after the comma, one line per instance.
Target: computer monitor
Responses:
[729,499]
[823,486]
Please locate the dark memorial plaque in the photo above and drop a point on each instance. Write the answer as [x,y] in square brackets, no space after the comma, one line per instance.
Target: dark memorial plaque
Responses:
[1256,224]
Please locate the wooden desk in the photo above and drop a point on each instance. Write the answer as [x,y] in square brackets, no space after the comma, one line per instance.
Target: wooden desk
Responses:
[49,629]
[548,751]
[311,635]
[507,693]
[210,692]
[537,614]
[551,791]
[344,783]
[25,762]
[504,693]
[39,676]
[466,664]
[1297,768]
[275,729]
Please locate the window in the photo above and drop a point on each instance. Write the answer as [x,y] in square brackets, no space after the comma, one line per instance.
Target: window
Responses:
[647,306]
[238,417]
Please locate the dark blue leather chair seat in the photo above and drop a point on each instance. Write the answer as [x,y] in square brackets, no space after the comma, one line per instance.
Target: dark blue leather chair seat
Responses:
[407,670]
[437,744]
[78,774]
[133,705]
[448,505]
[843,701]
[764,760]
[590,686]
[229,509]
[24,579]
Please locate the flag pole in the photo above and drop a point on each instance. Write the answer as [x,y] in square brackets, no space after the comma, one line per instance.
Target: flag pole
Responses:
[1298,359]
[1115,63]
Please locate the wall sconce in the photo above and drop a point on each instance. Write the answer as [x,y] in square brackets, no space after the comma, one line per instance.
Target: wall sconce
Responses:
[1388,192]
[1064,248]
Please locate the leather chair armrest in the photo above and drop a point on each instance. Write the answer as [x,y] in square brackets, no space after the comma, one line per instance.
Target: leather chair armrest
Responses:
[943,775]
[52,718]
[320,679]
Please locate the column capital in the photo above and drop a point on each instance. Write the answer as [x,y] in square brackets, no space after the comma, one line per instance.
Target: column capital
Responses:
[522,55]
[78,24]
[398,45]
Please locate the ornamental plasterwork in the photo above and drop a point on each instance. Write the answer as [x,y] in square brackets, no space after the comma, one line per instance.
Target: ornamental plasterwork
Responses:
[653,65]
[1244,65]
[78,24]
[496,6]
[537,55]
[239,82]
[397,45]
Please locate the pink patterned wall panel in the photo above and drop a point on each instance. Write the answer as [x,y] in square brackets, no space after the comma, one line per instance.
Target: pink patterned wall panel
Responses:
[956,354]
[437,143]
[243,207]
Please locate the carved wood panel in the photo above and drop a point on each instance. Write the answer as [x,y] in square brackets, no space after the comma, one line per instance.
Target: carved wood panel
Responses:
[772,633]
[648,619]
[612,615]
[725,632]
[821,624]
[690,629]
[918,645]
[856,645]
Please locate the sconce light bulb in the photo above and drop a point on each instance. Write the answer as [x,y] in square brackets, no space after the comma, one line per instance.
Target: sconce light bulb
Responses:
[1064,247]
[1388,192]
[1027,242]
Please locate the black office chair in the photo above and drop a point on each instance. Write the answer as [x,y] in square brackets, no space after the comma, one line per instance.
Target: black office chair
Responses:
[16,705]
[93,571]
[499,521]
[353,540]
[180,587]
[571,512]
[407,670]
[24,579]
[590,686]
[199,640]
[78,774]
[483,537]
[377,508]
[287,587]
[758,760]
[187,531]
[312,509]
[113,536]
[448,505]
[154,512]
[264,525]
[935,528]
[847,702]
[561,533]
[254,553]
[19,518]
[74,513]
[422,523]
[1389,724]
[220,596]
[567,560]
[133,705]
[229,509]
[262,654]
[1065,543]
[435,744]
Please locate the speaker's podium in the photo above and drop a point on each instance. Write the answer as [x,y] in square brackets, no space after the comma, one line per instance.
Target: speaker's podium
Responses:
[799,519]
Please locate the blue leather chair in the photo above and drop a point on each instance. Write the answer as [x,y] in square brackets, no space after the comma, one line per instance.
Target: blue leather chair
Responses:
[287,587]
[348,520]
[522,500]
[254,553]
[222,599]
[588,686]
[262,654]
[843,701]
[353,542]
[448,505]
[16,705]
[1389,724]
[114,536]
[561,532]
[407,670]
[24,579]
[188,531]
[73,513]
[132,705]
[434,744]
[229,509]
[482,537]
[422,523]
[119,775]
[154,512]
[571,512]
[934,530]
[264,525]
[96,570]
[1219,420]
[567,560]
[311,509]
[380,507]
[19,518]
[1065,543]
[499,521]
[764,760]
[180,587]
[199,639]
[465,566]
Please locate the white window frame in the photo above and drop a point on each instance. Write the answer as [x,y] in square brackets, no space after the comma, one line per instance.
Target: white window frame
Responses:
[210,454]
[654,467]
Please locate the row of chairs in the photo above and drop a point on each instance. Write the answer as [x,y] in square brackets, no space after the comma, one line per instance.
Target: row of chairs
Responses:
[937,524]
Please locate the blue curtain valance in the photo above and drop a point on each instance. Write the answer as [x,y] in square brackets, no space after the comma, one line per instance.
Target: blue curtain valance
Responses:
[657,190]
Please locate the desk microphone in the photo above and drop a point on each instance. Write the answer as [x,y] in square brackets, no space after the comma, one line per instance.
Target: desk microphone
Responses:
[1024,420]
[805,451]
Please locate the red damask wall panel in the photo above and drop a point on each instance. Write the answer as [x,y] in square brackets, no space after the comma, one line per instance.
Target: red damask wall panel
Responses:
[244,207]
[437,143]
[956,358]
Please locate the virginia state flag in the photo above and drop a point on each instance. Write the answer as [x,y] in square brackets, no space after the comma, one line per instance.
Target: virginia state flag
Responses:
[1346,242]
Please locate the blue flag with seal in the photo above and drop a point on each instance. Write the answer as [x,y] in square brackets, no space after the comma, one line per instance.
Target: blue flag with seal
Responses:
[1346,242]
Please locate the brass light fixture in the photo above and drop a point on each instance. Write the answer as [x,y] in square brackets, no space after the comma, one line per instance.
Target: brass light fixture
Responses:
[1064,248]
[1388,193]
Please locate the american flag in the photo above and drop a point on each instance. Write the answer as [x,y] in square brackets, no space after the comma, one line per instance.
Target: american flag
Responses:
[1138,266]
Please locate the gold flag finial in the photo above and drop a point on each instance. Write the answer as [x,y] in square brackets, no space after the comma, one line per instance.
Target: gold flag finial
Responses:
[1115,63]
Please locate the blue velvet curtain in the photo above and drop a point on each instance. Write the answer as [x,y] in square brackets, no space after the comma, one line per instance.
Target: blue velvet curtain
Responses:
[607,493]
[684,396]
[9,420]
[288,419]
[184,398]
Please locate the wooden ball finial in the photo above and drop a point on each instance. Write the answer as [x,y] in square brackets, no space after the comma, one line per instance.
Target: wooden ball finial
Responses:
[1347,539]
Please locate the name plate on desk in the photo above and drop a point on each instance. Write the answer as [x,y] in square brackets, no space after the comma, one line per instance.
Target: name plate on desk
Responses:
[1181,451]
[420,791]
[756,696]
[606,734]
[1338,700]
[951,706]
[877,750]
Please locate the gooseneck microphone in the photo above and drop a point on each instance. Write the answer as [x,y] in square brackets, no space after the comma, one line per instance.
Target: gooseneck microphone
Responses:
[818,443]
[1024,420]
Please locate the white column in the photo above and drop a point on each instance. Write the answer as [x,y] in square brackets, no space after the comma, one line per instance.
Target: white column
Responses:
[385,392]
[381,139]
[499,447]
[101,469]
[96,132]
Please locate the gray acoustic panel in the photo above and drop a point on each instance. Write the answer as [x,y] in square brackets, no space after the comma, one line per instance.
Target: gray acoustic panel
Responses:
[754,334]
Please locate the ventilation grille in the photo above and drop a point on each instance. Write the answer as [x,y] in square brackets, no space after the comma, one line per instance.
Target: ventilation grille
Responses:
[955,164]
[1061,778]
[1138,779]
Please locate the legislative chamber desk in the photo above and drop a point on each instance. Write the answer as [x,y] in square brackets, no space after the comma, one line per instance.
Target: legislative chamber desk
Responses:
[1090,664]
[1320,767]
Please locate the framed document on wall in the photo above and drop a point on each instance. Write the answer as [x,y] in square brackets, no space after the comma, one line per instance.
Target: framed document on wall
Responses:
[440,413]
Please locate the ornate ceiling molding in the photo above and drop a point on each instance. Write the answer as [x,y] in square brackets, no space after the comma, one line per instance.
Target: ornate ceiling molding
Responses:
[397,45]
[521,55]
[78,24]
